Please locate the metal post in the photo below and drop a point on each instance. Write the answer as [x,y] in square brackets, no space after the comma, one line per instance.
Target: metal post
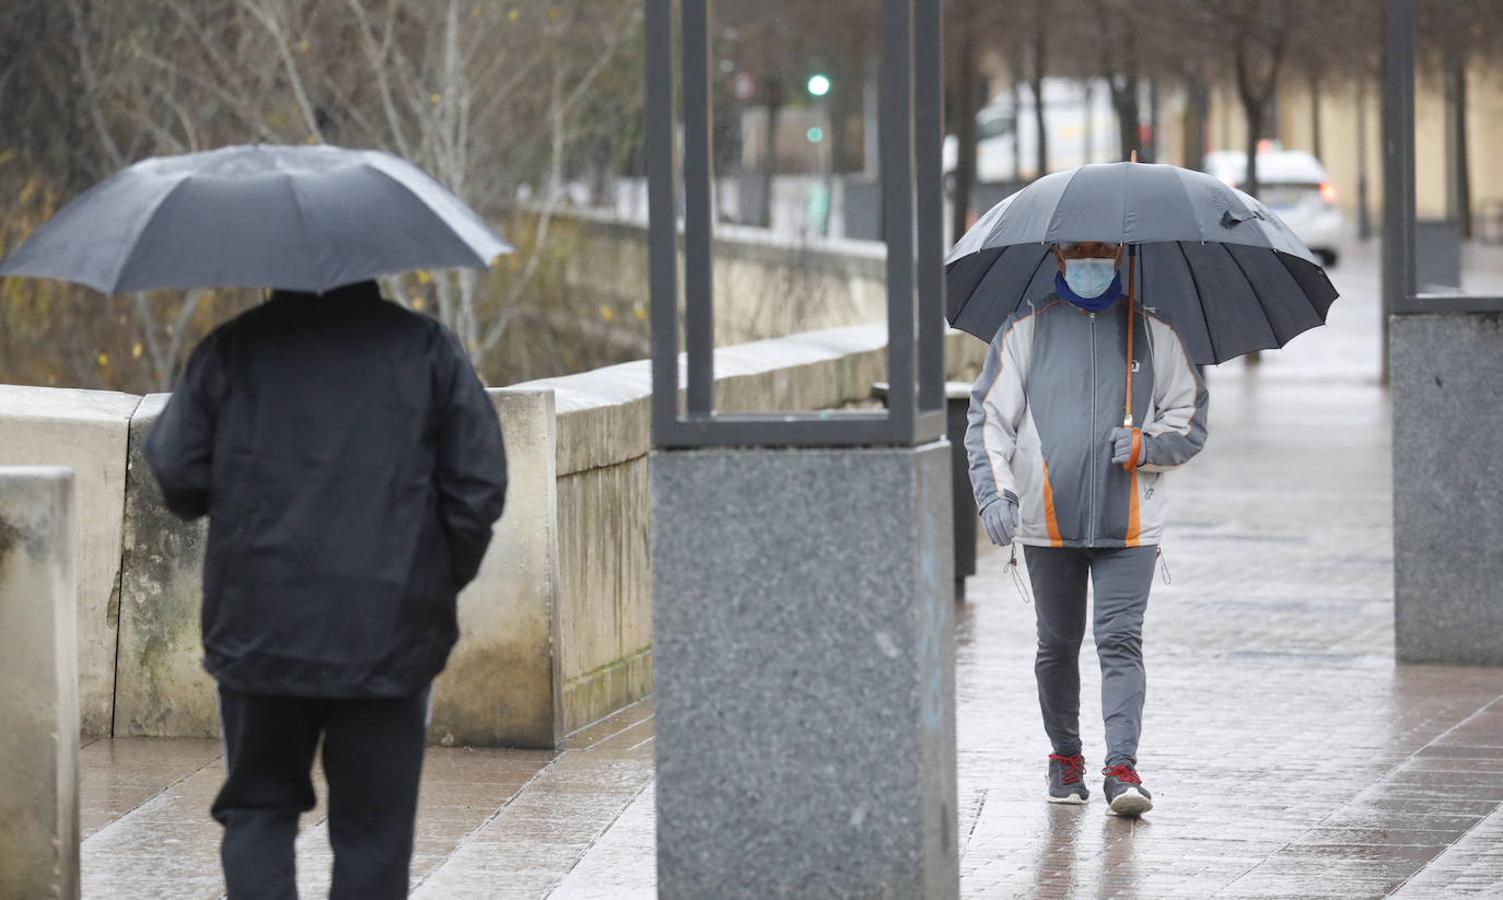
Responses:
[928,129]
[699,287]
[897,202]
[1398,161]
[662,233]
[1364,217]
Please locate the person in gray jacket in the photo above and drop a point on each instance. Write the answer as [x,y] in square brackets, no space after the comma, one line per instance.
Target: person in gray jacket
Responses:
[1054,468]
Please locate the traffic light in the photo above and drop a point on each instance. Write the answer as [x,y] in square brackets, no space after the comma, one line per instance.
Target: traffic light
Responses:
[818,84]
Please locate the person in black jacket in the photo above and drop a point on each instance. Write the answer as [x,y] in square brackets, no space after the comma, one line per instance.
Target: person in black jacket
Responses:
[351,467]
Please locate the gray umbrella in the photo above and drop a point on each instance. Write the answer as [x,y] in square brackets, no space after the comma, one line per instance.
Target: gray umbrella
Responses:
[299,218]
[1227,273]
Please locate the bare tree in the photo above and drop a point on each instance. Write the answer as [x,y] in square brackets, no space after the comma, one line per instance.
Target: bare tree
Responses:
[496,101]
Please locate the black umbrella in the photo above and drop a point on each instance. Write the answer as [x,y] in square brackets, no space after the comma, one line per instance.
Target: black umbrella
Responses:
[1214,262]
[306,218]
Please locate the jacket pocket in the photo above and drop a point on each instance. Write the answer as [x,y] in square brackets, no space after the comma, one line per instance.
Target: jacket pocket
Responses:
[1028,472]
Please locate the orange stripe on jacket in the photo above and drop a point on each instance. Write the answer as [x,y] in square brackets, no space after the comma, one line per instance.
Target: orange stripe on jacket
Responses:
[1050,521]
[1133,523]
[1133,516]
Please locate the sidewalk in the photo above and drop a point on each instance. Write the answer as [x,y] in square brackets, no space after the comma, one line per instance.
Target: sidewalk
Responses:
[1288,755]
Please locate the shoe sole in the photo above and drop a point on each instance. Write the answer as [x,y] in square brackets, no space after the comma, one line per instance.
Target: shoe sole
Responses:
[1130,803]
[1068,800]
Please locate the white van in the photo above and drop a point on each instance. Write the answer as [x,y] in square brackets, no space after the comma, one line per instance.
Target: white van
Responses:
[1069,121]
[1294,185]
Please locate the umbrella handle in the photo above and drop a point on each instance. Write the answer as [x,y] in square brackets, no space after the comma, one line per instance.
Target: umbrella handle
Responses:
[1132,259]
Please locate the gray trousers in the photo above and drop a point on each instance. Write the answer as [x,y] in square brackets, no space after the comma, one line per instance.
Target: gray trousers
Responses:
[1121,577]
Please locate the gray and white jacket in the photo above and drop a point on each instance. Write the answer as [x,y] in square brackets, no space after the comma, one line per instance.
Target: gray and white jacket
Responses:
[1042,413]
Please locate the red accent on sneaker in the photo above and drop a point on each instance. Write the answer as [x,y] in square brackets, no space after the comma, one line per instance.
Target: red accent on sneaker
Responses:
[1074,767]
[1123,773]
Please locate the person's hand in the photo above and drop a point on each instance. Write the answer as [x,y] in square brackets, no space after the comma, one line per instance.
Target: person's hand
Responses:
[1000,519]
[1122,446]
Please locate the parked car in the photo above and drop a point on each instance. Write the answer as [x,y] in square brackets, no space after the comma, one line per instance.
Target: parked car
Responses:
[1294,185]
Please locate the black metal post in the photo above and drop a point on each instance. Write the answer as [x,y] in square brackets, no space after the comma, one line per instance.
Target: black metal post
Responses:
[896,130]
[928,131]
[1398,165]
[662,229]
[699,280]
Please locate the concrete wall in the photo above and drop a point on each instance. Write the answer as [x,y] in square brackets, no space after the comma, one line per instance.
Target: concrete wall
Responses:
[501,684]
[604,436]
[766,284]
[1447,510]
[86,431]
[162,690]
[556,631]
[38,685]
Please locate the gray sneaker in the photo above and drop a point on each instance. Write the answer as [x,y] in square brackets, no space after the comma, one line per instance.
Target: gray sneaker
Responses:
[1124,791]
[1067,779]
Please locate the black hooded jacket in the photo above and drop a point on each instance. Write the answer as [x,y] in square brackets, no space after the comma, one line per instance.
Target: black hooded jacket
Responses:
[351,467]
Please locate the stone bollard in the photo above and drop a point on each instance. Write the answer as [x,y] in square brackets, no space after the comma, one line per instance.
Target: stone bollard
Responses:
[803,632]
[38,685]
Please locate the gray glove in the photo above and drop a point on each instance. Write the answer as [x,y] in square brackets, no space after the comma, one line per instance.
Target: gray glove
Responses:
[1122,446]
[1000,519]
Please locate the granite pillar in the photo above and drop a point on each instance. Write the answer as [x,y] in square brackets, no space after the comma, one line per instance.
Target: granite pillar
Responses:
[39,716]
[1447,376]
[803,638]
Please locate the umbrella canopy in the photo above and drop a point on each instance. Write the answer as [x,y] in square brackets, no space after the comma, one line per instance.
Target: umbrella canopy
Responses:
[1227,273]
[306,218]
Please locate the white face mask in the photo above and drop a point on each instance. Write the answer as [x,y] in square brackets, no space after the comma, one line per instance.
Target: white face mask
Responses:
[1090,277]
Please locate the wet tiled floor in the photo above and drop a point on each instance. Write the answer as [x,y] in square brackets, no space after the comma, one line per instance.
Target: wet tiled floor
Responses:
[1289,756]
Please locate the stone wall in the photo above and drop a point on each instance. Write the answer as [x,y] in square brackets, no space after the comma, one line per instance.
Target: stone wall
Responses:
[766,285]
[39,823]
[604,437]
[85,431]
[556,631]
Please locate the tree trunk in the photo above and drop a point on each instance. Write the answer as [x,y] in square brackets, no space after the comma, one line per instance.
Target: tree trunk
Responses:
[1040,65]
[1364,212]
[1461,173]
[1088,125]
[1125,104]
[1256,99]
[1253,114]
[1152,144]
[1315,141]
[1197,105]
[1017,133]
[773,89]
[965,99]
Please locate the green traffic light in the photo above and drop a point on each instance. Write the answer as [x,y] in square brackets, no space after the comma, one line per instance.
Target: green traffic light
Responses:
[819,84]
[815,134]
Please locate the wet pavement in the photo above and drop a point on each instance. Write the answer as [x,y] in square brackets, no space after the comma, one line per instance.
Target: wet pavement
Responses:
[1288,755]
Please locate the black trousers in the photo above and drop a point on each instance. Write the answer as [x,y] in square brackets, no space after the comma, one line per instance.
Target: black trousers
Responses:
[373,758]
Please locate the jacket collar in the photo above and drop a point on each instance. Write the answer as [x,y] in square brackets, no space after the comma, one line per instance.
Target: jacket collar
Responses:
[1090,304]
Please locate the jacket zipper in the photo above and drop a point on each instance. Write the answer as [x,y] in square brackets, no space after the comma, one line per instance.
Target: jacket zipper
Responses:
[1091,508]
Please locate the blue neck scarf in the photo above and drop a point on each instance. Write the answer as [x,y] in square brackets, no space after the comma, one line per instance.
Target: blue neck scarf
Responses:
[1089,304]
